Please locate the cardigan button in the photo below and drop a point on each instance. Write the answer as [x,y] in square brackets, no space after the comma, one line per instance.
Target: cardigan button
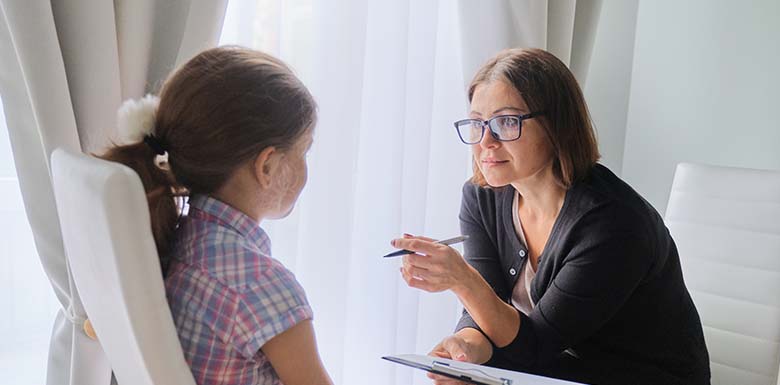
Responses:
[522,253]
[512,271]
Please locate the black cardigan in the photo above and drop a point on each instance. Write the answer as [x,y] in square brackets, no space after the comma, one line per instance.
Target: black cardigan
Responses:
[611,304]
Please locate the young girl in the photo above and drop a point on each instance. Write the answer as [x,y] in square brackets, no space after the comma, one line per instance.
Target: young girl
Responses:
[230,130]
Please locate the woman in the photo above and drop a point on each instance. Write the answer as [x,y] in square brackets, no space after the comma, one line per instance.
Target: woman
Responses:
[570,273]
[234,125]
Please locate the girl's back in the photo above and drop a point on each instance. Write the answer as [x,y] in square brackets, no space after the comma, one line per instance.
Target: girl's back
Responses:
[228,296]
[228,136]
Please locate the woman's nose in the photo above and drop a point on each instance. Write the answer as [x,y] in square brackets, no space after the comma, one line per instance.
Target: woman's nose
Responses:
[488,141]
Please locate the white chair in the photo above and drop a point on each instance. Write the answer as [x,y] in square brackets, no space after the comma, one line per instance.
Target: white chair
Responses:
[111,252]
[726,223]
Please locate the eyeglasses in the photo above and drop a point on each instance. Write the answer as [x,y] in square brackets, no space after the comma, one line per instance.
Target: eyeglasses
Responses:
[504,128]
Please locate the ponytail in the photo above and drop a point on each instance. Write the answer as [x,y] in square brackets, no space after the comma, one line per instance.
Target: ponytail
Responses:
[213,115]
[163,193]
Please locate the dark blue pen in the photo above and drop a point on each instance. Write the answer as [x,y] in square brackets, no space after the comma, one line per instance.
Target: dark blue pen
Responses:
[450,241]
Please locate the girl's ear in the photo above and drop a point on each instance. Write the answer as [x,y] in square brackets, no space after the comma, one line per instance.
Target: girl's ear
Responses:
[266,165]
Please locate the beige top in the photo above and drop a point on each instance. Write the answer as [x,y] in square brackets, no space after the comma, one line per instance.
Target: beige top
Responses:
[521,293]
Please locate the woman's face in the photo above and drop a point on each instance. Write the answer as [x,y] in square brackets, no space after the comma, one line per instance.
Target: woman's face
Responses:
[503,163]
[292,176]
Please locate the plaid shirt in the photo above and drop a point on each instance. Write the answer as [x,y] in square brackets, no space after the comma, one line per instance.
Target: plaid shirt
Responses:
[228,297]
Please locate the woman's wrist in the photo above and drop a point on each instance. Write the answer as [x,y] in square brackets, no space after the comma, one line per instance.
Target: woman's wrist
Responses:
[481,347]
[468,284]
[497,319]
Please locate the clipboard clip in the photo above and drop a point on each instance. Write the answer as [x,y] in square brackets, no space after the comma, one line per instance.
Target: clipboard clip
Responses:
[474,375]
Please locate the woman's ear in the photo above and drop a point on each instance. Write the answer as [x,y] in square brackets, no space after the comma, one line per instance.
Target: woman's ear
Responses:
[265,166]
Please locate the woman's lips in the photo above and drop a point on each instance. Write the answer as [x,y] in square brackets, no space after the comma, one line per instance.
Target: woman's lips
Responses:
[493,162]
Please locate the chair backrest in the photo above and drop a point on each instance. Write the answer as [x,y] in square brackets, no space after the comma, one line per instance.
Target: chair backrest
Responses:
[726,223]
[111,252]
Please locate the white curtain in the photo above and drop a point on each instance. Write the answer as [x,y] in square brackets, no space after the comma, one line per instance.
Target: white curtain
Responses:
[66,66]
[567,28]
[26,297]
[389,77]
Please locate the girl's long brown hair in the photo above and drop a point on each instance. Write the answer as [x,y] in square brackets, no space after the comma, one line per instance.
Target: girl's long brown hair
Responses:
[216,113]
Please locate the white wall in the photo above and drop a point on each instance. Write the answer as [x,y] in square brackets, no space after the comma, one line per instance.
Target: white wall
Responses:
[608,81]
[705,88]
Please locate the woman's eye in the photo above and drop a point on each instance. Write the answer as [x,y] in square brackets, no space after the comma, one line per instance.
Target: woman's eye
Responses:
[507,122]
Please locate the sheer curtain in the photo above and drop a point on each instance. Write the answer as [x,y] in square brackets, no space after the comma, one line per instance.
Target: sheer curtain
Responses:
[389,77]
[385,160]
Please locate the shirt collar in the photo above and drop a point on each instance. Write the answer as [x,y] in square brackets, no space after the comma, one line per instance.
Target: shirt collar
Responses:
[231,217]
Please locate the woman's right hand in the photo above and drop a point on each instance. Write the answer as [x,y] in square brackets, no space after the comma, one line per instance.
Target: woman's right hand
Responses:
[467,345]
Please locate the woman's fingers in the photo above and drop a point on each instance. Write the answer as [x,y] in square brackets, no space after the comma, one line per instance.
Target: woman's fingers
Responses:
[457,348]
[453,347]
[411,277]
[439,351]
[445,350]
[418,283]
[423,285]
[429,280]
[440,261]
[406,276]
[428,254]
[419,237]
[417,260]
[417,272]
[416,245]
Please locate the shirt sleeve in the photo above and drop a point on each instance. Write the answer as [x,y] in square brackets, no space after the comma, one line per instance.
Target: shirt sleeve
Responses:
[268,307]
[608,259]
[479,249]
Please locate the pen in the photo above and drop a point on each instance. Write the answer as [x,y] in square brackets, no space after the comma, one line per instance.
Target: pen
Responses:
[450,241]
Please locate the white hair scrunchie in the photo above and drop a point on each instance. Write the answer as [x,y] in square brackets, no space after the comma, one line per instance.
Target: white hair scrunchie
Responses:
[135,118]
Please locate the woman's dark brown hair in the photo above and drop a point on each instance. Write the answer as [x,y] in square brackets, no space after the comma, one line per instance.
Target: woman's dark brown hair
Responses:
[216,113]
[547,85]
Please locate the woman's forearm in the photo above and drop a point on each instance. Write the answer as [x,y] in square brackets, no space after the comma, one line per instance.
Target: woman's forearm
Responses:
[499,320]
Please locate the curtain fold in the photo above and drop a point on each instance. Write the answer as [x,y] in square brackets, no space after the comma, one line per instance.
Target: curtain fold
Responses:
[66,67]
[586,20]
[566,28]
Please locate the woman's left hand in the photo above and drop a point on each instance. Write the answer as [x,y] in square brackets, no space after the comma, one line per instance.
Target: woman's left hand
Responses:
[433,267]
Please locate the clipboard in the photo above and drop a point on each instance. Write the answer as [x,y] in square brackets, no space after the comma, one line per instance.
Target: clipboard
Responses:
[466,372]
